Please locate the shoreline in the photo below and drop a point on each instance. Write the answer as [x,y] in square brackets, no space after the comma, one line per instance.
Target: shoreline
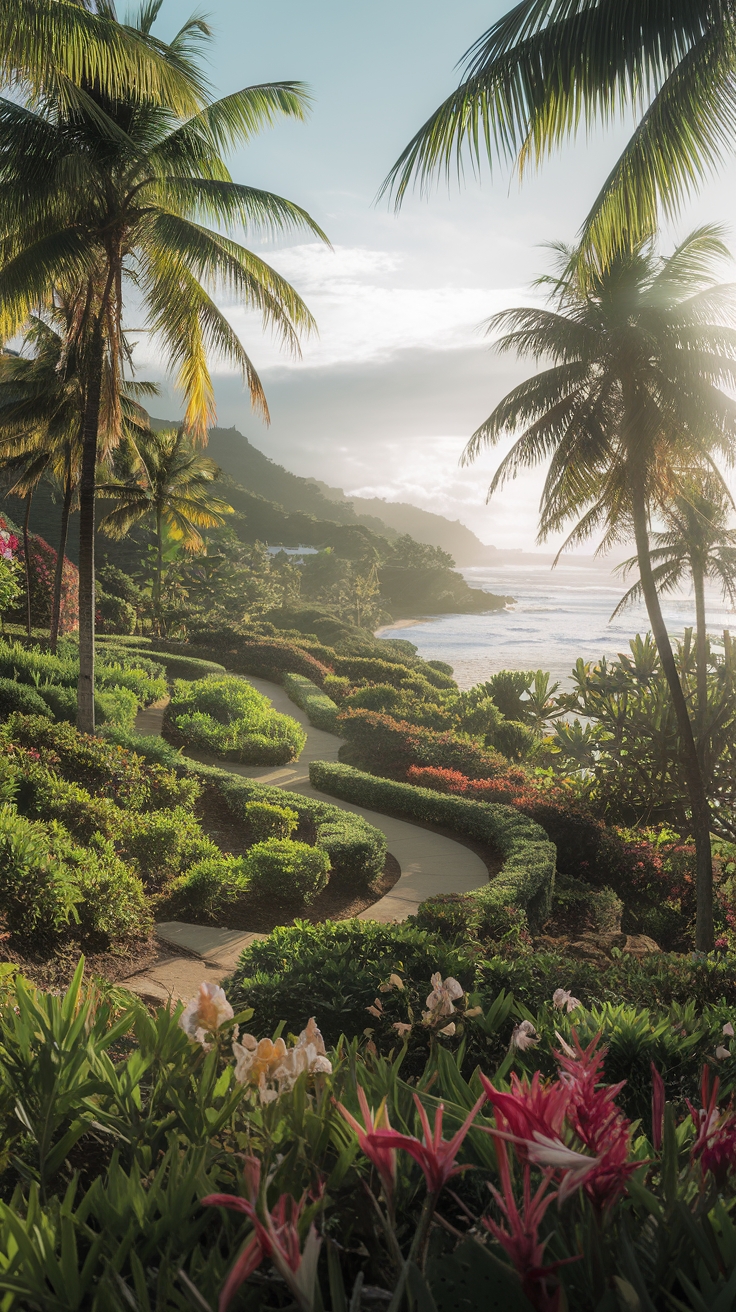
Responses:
[404,624]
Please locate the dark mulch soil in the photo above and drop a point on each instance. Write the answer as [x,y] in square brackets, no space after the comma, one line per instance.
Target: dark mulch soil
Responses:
[54,972]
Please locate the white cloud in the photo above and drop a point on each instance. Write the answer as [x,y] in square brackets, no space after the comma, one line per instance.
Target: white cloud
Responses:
[366,308]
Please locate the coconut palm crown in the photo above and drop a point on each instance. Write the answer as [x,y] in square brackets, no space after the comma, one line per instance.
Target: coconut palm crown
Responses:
[547,68]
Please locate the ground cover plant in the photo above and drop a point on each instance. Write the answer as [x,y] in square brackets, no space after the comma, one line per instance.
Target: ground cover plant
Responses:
[147,1166]
[228,717]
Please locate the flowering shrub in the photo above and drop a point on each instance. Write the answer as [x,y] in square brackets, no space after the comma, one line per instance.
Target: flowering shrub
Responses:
[385,746]
[42,571]
[651,872]
[264,658]
[217,1165]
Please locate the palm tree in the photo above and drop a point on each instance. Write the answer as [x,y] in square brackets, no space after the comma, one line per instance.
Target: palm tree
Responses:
[102,192]
[548,67]
[697,542]
[629,405]
[41,404]
[172,487]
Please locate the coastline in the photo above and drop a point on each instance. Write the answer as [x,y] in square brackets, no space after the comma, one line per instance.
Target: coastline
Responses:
[403,624]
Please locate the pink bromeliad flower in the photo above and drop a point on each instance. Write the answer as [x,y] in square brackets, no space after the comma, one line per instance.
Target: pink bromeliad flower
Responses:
[275,1237]
[520,1235]
[715,1141]
[534,1105]
[435,1155]
[379,1153]
[597,1122]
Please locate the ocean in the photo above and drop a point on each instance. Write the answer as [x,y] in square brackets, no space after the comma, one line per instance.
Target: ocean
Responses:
[559,614]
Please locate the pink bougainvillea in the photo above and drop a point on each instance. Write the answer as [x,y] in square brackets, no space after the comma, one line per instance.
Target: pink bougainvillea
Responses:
[43,569]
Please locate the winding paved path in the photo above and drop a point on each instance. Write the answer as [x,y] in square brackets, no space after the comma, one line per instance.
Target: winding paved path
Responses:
[430,863]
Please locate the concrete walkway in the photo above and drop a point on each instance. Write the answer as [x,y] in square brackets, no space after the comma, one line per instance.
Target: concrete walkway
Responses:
[430,863]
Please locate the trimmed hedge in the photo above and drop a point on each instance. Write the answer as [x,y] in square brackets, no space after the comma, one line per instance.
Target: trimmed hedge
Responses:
[321,710]
[266,659]
[18,697]
[526,879]
[357,850]
[226,715]
[383,745]
[187,667]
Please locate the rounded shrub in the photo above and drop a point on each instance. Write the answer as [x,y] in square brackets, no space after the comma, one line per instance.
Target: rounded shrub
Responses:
[37,892]
[291,872]
[205,892]
[334,970]
[18,697]
[114,905]
[161,844]
[266,821]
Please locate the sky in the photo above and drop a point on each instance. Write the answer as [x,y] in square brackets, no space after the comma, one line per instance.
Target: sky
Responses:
[383,400]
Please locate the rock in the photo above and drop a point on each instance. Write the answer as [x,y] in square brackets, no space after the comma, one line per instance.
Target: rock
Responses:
[598,948]
[640,945]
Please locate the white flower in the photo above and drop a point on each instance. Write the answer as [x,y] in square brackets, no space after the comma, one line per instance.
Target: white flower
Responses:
[728,1030]
[444,994]
[402,1028]
[206,1013]
[397,981]
[524,1036]
[564,1001]
[449,1030]
[722,1053]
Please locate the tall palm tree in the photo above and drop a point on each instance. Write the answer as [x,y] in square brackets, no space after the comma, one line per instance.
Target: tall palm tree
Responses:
[41,402]
[171,486]
[549,67]
[631,398]
[697,542]
[105,192]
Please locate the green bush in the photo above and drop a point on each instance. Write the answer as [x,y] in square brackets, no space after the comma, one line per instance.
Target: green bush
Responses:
[334,970]
[103,768]
[153,749]
[321,710]
[37,893]
[357,850]
[61,701]
[291,873]
[43,795]
[390,747]
[355,857]
[17,697]
[229,718]
[114,906]
[266,821]
[207,890]
[161,844]
[526,879]
[116,706]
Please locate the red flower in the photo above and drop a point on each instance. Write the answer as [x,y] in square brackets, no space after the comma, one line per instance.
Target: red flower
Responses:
[597,1121]
[715,1142]
[435,1155]
[658,1101]
[382,1157]
[277,1237]
[520,1235]
[531,1106]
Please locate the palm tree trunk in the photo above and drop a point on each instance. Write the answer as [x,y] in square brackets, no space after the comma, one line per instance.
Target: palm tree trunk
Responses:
[27,559]
[90,430]
[63,535]
[701,658]
[159,572]
[699,808]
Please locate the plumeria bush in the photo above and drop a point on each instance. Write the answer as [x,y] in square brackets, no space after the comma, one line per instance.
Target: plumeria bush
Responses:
[188,1159]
